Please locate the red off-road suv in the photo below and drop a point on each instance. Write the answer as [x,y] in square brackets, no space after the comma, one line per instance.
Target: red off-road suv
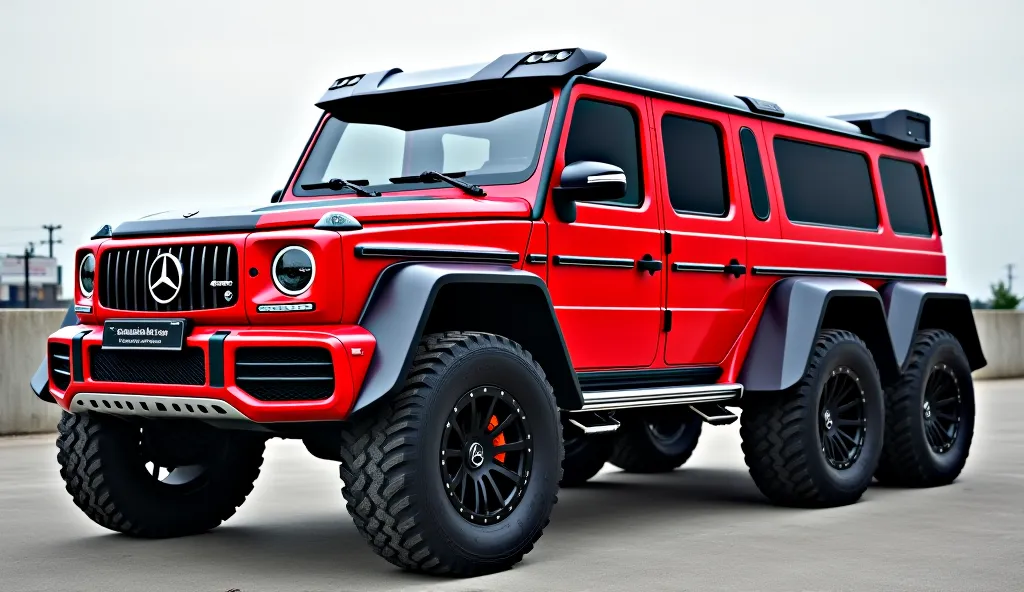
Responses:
[468,263]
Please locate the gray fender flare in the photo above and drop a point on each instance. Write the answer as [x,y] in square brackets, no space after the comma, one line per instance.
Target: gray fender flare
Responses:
[797,310]
[41,379]
[914,306]
[400,304]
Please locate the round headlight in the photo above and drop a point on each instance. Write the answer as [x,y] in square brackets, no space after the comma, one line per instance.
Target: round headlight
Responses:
[293,270]
[87,274]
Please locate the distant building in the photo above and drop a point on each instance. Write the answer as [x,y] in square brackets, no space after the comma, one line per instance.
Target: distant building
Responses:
[44,279]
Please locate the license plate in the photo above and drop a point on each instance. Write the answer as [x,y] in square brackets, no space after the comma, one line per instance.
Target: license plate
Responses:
[144,334]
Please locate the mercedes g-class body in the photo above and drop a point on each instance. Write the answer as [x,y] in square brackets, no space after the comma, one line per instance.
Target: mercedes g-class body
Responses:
[484,282]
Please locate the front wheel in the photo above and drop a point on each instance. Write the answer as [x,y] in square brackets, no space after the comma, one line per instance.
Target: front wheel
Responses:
[818,443]
[156,479]
[458,473]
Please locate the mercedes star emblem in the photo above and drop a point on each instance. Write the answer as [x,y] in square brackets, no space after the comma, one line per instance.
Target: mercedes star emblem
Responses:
[165,280]
[476,455]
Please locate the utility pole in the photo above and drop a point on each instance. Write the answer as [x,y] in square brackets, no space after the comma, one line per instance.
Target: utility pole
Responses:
[29,251]
[1009,277]
[51,228]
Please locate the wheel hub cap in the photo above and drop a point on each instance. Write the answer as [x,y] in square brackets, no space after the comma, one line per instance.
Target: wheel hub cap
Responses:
[941,408]
[842,420]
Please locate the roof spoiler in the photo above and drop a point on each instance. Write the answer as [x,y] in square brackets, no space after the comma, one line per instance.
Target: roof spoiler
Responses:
[550,64]
[902,128]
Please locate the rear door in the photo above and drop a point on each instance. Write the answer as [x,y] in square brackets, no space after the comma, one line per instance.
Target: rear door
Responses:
[703,218]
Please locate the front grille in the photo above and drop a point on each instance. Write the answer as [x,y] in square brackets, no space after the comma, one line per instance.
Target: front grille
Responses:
[125,278]
[285,373]
[185,367]
[60,365]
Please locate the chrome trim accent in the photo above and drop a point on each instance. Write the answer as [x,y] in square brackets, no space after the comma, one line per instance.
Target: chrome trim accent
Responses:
[81,308]
[149,406]
[607,178]
[870,275]
[593,261]
[596,429]
[698,267]
[444,254]
[661,396]
[536,258]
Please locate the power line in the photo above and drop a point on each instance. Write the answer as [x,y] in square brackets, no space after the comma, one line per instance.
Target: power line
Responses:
[51,228]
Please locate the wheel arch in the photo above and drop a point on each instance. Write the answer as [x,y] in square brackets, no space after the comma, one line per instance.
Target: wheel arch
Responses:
[796,312]
[915,306]
[410,300]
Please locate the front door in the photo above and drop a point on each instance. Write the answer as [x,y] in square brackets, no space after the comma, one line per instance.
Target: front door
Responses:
[609,307]
[706,270]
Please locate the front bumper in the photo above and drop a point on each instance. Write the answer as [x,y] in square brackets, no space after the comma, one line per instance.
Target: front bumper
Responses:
[216,390]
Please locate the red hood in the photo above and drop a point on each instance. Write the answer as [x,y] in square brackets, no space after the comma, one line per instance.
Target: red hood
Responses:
[307,212]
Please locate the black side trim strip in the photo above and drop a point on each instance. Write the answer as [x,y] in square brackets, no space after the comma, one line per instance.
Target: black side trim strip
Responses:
[77,363]
[536,258]
[638,379]
[430,253]
[698,267]
[216,345]
[594,261]
[868,275]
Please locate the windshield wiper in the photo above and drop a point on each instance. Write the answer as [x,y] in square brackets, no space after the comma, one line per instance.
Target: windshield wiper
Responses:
[339,184]
[449,178]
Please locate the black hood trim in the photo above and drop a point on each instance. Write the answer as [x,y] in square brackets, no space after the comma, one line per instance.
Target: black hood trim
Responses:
[213,224]
[312,203]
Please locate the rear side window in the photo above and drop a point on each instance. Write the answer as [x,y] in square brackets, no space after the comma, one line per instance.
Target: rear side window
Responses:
[756,185]
[607,133]
[903,187]
[826,186]
[695,166]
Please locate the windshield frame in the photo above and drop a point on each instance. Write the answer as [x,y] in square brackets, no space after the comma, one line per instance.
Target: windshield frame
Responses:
[492,179]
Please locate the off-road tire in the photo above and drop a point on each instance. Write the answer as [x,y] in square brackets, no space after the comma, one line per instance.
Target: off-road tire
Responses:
[907,458]
[585,456]
[392,482]
[782,446]
[99,462]
[638,450]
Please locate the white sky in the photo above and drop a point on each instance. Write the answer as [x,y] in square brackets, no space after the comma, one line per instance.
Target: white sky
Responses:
[114,109]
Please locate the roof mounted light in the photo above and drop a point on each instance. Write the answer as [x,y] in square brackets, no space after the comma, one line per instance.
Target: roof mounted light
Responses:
[349,81]
[554,55]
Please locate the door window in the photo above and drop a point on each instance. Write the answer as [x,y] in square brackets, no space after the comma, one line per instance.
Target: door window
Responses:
[607,133]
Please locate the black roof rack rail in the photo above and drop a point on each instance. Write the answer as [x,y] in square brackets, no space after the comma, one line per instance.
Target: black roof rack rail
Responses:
[903,128]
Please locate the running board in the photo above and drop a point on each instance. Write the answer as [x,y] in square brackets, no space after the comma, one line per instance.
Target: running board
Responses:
[659,397]
[594,423]
[714,413]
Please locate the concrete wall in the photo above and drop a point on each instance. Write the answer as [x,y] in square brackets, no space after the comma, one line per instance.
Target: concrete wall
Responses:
[23,335]
[1002,340]
[23,344]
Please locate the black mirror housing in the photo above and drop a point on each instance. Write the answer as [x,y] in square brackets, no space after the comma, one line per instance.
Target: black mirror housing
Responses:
[587,180]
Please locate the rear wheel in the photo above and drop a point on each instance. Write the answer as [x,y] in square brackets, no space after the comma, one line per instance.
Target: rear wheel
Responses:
[156,479]
[656,443]
[818,443]
[458,473]
[929,415]
[585,456]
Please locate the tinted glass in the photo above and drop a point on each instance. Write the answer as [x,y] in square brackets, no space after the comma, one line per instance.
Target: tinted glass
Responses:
[607,133]
[904,197]
[695,166]
[756,185]
[494,138]
[826,186]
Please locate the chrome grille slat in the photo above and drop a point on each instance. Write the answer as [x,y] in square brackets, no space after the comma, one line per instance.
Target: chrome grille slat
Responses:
[125,273]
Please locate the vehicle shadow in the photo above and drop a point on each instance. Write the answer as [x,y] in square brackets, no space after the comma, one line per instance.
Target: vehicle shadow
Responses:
[327,545]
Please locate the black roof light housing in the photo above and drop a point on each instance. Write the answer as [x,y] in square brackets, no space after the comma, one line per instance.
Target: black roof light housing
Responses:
[908,129]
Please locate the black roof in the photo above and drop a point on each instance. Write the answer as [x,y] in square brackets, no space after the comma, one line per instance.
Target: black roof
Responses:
[902,128]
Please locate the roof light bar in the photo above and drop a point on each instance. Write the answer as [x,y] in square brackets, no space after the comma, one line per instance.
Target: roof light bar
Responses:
[349,81]
[554,55]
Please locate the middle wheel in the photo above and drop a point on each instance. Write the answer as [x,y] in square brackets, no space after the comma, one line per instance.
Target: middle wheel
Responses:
[656,442]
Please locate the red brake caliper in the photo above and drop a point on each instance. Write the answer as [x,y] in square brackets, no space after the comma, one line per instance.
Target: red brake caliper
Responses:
[499,440]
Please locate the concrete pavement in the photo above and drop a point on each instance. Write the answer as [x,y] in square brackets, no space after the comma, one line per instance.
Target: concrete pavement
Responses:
[704,527]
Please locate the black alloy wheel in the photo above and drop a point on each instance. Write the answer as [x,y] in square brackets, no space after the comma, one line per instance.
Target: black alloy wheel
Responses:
[486,455]
[841,418]
[941,409]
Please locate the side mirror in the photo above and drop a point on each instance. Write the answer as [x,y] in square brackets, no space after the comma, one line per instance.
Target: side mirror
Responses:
[277,196]
[587,180]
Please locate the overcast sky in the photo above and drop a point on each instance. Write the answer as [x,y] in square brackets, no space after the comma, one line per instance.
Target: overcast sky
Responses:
[114,109]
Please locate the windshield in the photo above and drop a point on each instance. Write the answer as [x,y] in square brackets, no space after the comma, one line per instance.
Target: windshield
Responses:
[493,137]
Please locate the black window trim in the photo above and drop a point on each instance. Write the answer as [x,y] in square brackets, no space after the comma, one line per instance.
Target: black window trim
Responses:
[638,120]
[872,171]
[722,137]
[746,174]
[924,188]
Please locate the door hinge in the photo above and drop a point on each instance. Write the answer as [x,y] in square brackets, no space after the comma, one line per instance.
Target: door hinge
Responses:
[668,243]
[668,320]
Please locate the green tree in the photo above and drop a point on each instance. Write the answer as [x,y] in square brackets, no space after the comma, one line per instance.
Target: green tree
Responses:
[1003,298]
